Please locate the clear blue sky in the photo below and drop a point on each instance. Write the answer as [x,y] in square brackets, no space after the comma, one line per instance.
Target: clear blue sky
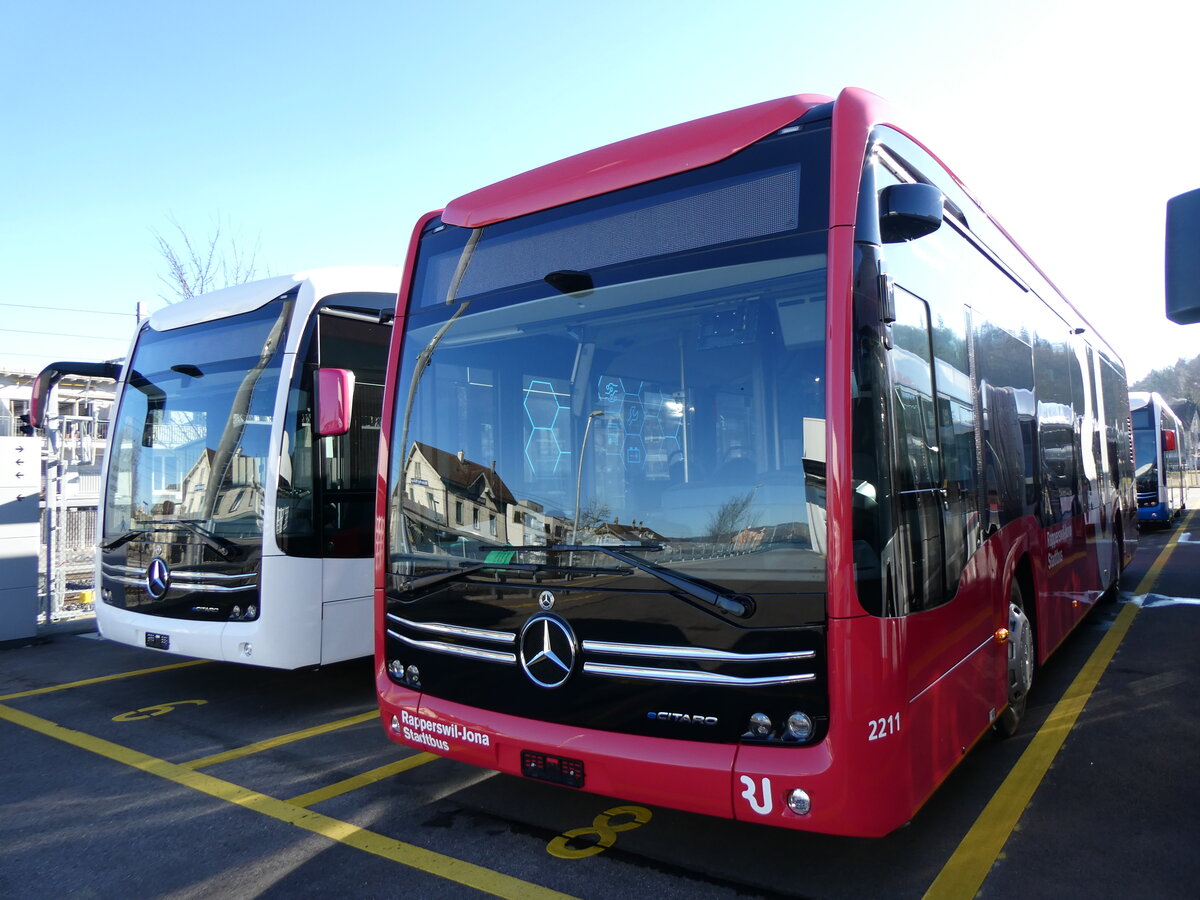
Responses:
[321,131]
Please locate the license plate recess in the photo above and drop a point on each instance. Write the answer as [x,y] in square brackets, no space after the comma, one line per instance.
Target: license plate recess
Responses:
[555,769]
[158,641]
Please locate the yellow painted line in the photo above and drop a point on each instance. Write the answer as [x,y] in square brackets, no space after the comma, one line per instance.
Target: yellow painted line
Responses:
[271,743]
[355,782]
[965,871]
[1151,576]
[428,861]
[74,684]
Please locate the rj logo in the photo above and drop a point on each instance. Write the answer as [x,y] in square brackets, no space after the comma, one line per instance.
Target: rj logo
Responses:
[763,807]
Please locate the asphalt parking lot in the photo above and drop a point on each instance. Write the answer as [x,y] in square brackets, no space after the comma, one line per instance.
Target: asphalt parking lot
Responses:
[134,773]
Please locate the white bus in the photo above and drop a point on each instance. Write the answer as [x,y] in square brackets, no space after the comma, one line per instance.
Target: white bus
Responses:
[1160,456]
[237,516]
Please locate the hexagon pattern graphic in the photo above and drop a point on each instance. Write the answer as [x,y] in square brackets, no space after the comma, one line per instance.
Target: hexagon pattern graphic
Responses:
[546,413]
[644,436]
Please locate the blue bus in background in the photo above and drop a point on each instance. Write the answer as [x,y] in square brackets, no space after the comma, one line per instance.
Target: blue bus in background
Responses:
[1160,457]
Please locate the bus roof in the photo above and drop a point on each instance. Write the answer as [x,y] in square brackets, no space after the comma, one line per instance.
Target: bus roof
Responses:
[636,160]
[242,298]
[701,142]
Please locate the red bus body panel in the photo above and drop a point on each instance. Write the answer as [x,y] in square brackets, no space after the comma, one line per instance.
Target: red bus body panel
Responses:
[637,160]
[679,774]
[907,696]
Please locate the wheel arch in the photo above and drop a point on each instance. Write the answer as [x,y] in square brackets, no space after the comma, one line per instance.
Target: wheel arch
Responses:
[1023,576]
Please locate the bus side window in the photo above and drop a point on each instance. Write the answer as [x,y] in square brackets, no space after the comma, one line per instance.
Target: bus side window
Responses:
[1006,397]
[1056,430]
[326,496]
[348,461]
[918,463]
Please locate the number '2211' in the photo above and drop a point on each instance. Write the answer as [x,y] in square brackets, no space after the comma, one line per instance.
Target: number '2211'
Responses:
[881,728]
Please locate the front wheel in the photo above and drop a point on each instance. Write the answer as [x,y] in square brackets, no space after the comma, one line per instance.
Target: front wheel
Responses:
[1020,665]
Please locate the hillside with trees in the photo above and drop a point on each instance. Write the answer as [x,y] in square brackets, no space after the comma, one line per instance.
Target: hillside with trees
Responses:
[1179,385]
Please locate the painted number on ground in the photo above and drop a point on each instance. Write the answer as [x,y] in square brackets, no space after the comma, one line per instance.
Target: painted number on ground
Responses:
[580,842]
[159,709]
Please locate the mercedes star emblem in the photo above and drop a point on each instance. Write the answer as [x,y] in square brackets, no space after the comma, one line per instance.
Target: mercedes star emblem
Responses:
[158,578]
[547,650]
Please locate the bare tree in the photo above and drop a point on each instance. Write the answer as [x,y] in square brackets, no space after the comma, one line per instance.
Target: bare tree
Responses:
[591,517]
[729,517]
[196,266]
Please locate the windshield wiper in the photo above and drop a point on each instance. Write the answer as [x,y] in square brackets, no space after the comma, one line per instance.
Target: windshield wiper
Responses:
[123,539]
[223,546]
[697,589]
[421,587]
[705,592]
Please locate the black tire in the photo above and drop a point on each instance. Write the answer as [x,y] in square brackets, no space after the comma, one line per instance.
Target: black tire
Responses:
[1022,654]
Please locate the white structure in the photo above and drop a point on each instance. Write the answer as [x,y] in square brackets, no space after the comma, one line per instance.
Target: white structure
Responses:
[236,521]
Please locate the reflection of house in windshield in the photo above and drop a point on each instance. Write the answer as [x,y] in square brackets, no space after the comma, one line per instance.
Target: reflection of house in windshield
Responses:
[454,494]
[615,533]
[241,489]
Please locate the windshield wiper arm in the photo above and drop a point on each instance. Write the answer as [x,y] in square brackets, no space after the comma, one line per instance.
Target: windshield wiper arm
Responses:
[123,539]
[224,546]
[423,585]
[705,591]
[420,587]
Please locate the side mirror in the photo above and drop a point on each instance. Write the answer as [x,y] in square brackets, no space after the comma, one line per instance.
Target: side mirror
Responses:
[1168,439]
[1183,258]
[909,211]
[39,400]
[335,399]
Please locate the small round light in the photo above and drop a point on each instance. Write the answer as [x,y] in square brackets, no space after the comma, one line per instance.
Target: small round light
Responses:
[251,611]
[395,724]
[760,725]
[414,676]
[396,669]
[246,649]
[798,802]
[236,612]
[799,727]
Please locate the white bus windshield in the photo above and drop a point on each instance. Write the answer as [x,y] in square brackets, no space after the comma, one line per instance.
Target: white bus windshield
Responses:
[192,437]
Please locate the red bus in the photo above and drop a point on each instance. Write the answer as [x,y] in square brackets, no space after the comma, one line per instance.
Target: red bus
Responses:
[746,467]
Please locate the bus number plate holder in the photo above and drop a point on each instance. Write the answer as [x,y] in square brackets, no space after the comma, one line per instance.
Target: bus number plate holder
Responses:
[555,769]
[158,641]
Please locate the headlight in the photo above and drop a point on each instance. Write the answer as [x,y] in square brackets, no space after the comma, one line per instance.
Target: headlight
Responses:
[760,725]
[799,727]
[798,802]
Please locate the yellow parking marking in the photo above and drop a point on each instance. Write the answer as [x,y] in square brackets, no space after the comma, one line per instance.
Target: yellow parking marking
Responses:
[158,709]
[271,743]
[74,684]
[965,871]
[357,781]
[571,844]
[456,870]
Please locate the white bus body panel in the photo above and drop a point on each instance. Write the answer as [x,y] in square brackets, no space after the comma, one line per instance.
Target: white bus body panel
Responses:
[314,611]
[347,613]
[296,627]
[286,635]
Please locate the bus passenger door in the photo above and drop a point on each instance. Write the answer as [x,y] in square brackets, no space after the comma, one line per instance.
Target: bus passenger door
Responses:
[1103,490]
[1093,484]
[919,553]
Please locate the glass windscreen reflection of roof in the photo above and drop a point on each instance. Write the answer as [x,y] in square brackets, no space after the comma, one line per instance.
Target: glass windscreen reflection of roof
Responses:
[510,320]
[220,304]
[743,208]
